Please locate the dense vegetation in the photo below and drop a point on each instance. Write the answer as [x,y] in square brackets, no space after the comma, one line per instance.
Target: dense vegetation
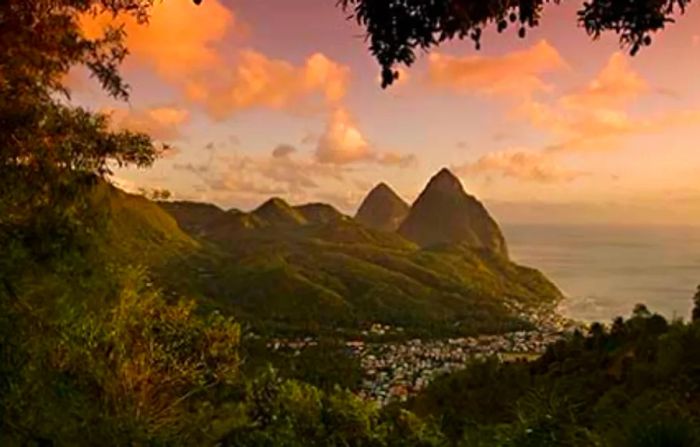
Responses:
[93,353]
[636,383]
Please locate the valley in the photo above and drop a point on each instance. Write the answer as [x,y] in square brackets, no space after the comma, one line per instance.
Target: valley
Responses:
[403,295]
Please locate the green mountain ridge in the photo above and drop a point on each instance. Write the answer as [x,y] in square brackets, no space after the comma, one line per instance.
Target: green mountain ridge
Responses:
[320,213]
[278,213]
[312,269]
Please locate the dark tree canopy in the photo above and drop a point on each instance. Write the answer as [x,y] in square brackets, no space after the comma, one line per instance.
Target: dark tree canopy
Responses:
[396,29]
[48,149]
[40,40]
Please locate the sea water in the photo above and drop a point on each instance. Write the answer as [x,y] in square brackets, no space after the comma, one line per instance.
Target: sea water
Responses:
[605,270]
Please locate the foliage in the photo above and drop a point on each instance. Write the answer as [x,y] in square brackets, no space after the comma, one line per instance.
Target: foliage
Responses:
[50,152]
[137,372]
[397,28]
[326,365]
[635,384]
[42,40]
[290,413]
[51,157]
[92,354]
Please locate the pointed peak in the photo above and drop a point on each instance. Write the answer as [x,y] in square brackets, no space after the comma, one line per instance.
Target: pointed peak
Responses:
[383,192]
[446,181]
[382,189]
[382,185]
[446,174]
[274,202]
[382,209]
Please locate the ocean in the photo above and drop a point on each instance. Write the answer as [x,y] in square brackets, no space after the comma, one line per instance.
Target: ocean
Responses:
[604,271]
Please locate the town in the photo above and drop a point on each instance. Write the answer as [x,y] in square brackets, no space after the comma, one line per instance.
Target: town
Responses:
[394,371]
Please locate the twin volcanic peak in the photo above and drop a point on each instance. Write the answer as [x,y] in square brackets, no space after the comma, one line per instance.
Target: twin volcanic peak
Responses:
[296,267]
[382,209]
[443,214]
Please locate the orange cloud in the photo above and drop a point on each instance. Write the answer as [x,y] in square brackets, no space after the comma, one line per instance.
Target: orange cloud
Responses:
[595,116]
[396,159]
[520,165]
[615,85]
[259,81]
[514,74]
[600,129]
[342,142]
[161,123]
[590,123]
[180,39]
[181,44]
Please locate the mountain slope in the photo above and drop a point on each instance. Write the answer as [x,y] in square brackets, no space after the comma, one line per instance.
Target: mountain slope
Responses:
[445,214]
[309,269]
[330,273]
[304,279]
[320,213]
[382,209]
[193,217]
[277,213]
[140,231]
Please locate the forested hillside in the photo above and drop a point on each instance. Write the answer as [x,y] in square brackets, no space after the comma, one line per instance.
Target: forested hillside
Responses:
[279,268]
[126,322]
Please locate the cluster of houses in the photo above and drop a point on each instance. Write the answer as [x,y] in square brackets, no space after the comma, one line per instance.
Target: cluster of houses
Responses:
[393,371]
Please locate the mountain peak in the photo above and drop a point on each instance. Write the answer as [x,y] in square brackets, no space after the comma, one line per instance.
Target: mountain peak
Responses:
[277,212]
[382,187]
[275,202]
[320,213]
[382,209]
[445,213]
[445,181]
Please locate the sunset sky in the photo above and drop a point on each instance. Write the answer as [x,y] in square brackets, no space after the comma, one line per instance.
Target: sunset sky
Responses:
[265,98]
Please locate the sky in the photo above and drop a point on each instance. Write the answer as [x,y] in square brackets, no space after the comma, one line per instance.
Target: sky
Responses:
[262,98]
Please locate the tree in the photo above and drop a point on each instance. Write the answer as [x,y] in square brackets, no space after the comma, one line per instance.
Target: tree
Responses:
[641,311]
[155,194]
[52,153]
[51,156]
[142,372]
[696,306]
[396,29]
